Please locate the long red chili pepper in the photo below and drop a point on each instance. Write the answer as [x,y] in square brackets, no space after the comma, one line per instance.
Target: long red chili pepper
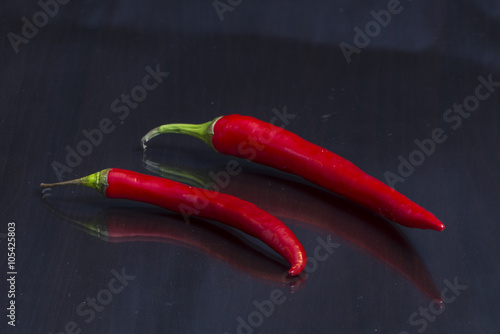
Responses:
[171,195]
[267,144]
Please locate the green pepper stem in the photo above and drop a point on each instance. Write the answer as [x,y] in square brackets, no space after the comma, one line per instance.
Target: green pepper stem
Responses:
[97,181]
[202,131]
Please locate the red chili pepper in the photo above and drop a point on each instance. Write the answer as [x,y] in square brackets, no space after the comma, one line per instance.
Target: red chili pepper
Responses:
[171,195]
[267,144]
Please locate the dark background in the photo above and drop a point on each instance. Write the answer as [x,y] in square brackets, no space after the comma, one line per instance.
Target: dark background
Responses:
[60,80]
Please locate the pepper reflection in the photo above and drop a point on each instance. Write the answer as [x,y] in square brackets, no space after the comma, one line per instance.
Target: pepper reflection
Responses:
[122,224]
[315,209]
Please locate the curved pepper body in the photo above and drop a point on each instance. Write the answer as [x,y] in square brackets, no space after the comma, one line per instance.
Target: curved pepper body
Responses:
[226,209]
[267,144]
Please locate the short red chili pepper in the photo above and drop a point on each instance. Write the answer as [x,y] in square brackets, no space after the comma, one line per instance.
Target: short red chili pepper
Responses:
[267,144]
[172,195]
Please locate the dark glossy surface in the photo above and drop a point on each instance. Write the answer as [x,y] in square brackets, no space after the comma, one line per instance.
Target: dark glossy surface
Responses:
[160,275]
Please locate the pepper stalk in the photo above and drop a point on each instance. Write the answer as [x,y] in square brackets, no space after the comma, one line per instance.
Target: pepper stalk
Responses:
[204,131]
[97,181]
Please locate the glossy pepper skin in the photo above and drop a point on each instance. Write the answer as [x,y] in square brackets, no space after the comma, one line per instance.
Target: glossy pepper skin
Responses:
[172,195]
[270,145]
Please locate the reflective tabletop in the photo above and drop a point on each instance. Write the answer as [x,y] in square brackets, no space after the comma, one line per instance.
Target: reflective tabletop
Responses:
[407,91]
